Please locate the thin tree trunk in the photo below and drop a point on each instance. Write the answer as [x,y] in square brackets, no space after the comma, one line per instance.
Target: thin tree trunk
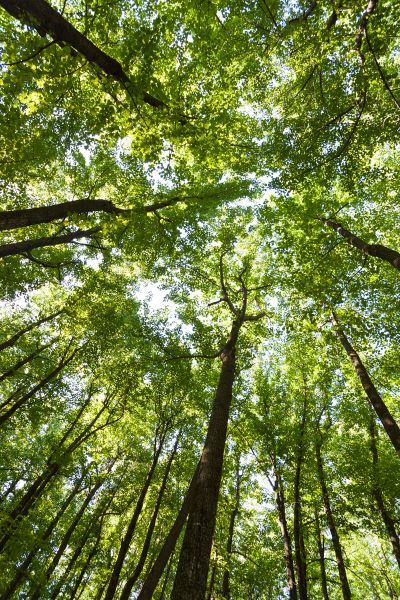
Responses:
[87,562]
[13,339]
[127,539]
[154,575]
[297,525]
[321,555]
[166,579]
[24,361]
[24,399]
[142,559]
[22,571]
[191,576]
[25,217]
[377,493]
[65,541]
[346,593]
[51,470]
[48,21]
[212,580]
[388,422]
[226,588]
[44,242]
[377,250]
[287,542]
[9,490]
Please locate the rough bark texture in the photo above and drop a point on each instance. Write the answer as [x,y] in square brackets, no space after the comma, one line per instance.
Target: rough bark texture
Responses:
[378,495]
[143,555]
[297,525]
[388,422]
[377,250]
[346,593]
[287,542]
[47,21]
[127,539]
[56,240]
[191,577]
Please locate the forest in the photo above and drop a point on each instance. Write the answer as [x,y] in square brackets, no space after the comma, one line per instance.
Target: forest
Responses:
[200,287]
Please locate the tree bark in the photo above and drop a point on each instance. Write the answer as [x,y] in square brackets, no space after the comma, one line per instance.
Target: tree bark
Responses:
[378,495]
[321,555]
[377,250]
[47,21]
[127,539]
[27,245]
[13,339]
[297,525]
[14,219]
[191,577]
[287,542]
[226,588]
[387,420]
[142,559]
[346,593]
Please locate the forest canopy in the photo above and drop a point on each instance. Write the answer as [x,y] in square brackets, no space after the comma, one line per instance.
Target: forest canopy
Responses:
[199,274]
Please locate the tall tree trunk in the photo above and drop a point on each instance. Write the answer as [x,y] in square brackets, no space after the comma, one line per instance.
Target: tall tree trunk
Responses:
[87,562]
[377,250]
[287,542]
[53,240]
[24,399]
[25,217]
[127,539]
[226,588]
[321,555]
[332,525]
[166,578]
[14,338]
[388,422]
[22,571]
[65,541]
[155,573]
[24,361]
[297,524]
[377,493]
[52,468]
[142,559]
[48,21]
[212,580]
[191,576]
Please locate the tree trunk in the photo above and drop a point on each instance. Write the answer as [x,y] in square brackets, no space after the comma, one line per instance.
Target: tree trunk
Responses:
[321,555]
[297,525]
[377,493]
[331,524]
[22,571]
[212,580]
[25,217]
[24,399]
[377,250]
[87,562]
[388,422]
[24,361]
[51,470]
[287,542]
[127,539]
[27,245]
[65,541]
[46,20]
[191,576]
[142,559]
[154,575]
[226,588]
[13,339]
